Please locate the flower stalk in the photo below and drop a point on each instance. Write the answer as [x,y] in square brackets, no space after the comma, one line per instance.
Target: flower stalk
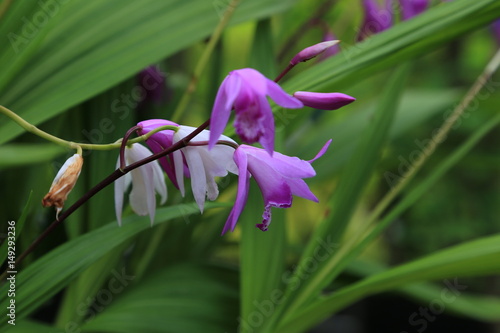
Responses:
[75,145]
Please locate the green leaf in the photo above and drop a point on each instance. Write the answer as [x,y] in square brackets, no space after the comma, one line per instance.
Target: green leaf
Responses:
[347,252]
[49,274]
[479,307]
[475,258]
[95,45]
[19,154]
[352,183]
[181,298]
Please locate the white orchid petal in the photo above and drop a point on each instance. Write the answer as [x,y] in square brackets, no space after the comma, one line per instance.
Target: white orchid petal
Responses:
[179,170]
[138,200]
[119,192]
[198,177]
[159,182]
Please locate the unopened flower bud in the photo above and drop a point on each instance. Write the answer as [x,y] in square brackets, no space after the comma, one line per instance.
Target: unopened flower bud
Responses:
[312,51]
[63,183]
[323,101]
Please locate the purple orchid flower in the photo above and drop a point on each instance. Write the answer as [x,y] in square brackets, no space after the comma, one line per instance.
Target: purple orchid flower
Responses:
[278,176]
[245,90]
[376,19]
[411,8]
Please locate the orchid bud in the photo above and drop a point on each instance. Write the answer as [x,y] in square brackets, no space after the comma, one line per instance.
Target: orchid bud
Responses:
[312,51]
[63,183]
[323,101]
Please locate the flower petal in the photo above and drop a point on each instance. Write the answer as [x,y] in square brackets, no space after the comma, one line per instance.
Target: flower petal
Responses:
[267,137]
[280,97]
[198,177]
[289,166]
[322,151]
[120,185]
[179,170]
[241,161]
[221,111]
[253,80]
[301,189]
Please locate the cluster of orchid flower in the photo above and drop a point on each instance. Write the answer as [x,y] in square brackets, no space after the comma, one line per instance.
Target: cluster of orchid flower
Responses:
[203,155]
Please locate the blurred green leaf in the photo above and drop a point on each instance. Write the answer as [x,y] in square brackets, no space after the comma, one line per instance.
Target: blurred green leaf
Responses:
[479,307]
[413,194]
[110,40]
[14,155]
[475,258]
[182,298]
[49,274]
[352,183]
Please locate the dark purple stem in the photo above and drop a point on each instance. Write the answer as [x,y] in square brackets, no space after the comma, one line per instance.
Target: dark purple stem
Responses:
[124,144]
[286,70]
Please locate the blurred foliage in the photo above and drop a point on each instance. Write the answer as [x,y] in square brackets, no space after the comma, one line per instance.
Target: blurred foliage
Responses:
[76,78]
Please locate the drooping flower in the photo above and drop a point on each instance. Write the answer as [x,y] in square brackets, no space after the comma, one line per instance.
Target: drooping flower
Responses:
[376,18]
[313,51]
[194,161]
[246,91]
[278,177]
[411,8]
[63,183]
[146,180]
[323,101]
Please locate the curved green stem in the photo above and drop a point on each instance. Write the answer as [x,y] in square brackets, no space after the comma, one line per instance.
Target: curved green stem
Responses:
[75,145]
